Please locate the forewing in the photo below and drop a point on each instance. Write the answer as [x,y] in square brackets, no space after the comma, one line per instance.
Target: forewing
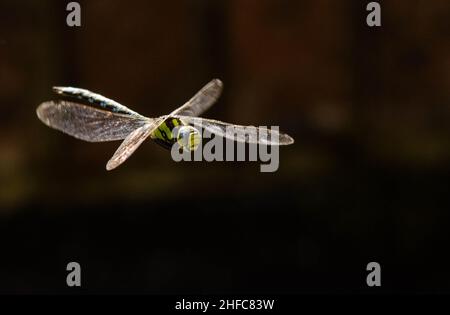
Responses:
[130,144]
[201,101]
[247,134]
[95,99]
[87,123]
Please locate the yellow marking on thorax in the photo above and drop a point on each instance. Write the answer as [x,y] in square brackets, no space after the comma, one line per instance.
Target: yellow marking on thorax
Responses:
[164,129]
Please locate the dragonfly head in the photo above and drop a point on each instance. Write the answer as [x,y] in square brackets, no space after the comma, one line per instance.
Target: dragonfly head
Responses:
[188,137]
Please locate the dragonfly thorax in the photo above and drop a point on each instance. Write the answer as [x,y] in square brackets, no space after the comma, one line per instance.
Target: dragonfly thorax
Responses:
[173,130]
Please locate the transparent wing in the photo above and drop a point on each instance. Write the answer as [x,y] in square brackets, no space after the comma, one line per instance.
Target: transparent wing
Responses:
[201,101]
[88,123]
[95,99]
[130,144]
[247,134]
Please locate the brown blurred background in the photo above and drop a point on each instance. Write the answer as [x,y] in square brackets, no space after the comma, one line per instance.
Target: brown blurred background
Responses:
[366,180]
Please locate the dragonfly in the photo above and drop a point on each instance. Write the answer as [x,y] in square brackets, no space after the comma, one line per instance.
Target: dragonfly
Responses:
[92,117]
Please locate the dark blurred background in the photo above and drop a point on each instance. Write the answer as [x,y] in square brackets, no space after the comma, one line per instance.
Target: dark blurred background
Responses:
[366,180]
